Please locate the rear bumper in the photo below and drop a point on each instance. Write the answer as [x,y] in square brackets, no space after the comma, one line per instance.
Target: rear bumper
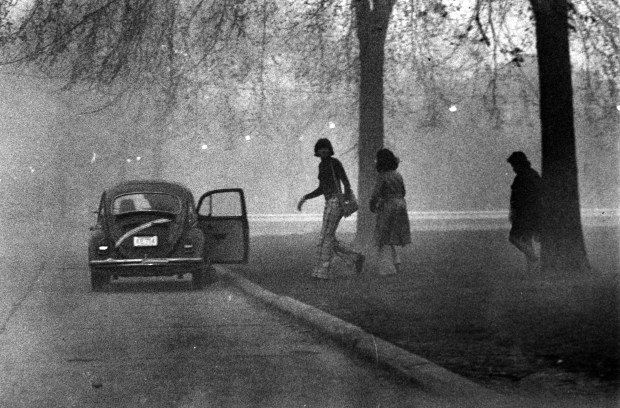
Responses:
[147,267]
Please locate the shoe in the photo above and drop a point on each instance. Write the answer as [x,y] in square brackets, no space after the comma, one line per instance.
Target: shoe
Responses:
[533,265]
[388,269]
[359,263]
[320,276]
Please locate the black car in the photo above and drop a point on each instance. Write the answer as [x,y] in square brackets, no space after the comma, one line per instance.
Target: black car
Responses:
[154,228]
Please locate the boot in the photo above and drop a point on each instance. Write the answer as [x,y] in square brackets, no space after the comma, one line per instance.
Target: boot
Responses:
[533,264]
[321,272]
[386,268]
[359,264]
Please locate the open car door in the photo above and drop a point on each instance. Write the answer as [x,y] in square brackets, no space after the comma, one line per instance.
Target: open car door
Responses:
[223,219]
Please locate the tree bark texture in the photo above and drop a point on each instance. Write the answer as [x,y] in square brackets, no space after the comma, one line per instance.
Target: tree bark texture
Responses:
[562,243]
[372,17]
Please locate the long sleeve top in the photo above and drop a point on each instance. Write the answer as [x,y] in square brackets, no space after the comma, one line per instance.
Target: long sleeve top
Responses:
[525,199]
[389,185]
[327,184]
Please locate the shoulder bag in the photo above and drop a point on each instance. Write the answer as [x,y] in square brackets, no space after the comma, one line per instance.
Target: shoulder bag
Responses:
[348,204]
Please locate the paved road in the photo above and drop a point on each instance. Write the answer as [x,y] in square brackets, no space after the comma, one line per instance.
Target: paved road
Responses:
[157,343]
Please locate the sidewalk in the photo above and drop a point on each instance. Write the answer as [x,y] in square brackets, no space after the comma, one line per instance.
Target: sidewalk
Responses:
[423,373]
[21,261]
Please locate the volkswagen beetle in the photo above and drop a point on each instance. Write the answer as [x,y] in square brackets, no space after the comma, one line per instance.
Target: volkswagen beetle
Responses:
[155,228]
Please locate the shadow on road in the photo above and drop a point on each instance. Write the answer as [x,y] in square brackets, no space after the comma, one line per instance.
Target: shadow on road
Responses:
[148,285]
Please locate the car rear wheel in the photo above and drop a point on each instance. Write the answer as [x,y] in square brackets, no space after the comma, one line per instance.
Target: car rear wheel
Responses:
[210,275]
[203,277]
[98,279]
[198,279]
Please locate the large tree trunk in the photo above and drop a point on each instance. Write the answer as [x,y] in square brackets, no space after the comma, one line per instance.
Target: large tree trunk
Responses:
[562,243]
[372,24]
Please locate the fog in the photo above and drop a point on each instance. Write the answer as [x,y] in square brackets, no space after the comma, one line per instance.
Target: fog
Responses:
[57,158]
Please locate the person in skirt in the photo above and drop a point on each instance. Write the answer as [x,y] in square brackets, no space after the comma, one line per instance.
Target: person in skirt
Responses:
[388,202]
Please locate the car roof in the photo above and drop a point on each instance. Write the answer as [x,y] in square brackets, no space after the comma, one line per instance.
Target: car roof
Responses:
[149,186]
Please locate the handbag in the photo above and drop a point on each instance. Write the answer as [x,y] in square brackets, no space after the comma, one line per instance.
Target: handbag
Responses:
[348,203]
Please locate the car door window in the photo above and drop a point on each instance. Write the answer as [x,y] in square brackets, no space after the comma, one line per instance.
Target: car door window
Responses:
[223,219]
[222,204]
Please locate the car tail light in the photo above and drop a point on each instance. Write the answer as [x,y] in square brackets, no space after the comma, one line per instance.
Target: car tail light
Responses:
[103,248]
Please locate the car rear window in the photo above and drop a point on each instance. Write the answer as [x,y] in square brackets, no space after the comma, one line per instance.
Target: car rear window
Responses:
[137,202]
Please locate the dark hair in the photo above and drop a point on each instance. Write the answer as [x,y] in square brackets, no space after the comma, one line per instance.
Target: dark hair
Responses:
[518,158]
[386,160]
[323,143]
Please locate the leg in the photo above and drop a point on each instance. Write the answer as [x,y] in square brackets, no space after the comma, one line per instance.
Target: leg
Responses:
[524,242]
[524,245]
[386,264]
[533,265]
[353,258]
[395,258]
[331,218]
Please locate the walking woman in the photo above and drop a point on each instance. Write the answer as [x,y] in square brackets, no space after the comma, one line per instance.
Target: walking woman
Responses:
[331,174]
[388,201]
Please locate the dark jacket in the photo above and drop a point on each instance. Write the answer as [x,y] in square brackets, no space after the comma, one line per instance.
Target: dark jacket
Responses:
[526,200]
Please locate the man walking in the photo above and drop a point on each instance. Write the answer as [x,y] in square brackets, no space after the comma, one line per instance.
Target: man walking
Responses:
[525,208]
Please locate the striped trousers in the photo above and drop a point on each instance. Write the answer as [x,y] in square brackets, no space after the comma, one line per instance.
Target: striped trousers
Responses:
[328,244]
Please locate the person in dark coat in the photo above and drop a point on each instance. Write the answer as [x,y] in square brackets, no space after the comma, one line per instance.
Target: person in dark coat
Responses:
[525,208]
[388,202]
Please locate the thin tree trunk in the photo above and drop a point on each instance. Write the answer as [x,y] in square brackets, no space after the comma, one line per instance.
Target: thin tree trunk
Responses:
[562,242]
[166,117]
[372,24]
[122,156]
[61,162]
[157,169]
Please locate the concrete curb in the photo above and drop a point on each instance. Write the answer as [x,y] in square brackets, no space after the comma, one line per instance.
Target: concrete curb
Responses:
[425,374]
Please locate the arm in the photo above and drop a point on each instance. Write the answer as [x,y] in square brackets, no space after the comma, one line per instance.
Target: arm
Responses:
[375,196]
[309,196]
[342,175]
[315,193]
[517,199]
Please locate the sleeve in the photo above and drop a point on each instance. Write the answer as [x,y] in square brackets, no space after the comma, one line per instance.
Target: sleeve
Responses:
[342,175]
[314,193]
[375,196]
[513,195]
[518,196]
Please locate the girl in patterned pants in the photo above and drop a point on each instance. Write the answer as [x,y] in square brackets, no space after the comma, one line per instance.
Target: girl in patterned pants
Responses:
[331,172]
[329,244]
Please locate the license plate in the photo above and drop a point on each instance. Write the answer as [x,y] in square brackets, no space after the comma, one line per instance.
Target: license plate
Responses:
[145,241]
